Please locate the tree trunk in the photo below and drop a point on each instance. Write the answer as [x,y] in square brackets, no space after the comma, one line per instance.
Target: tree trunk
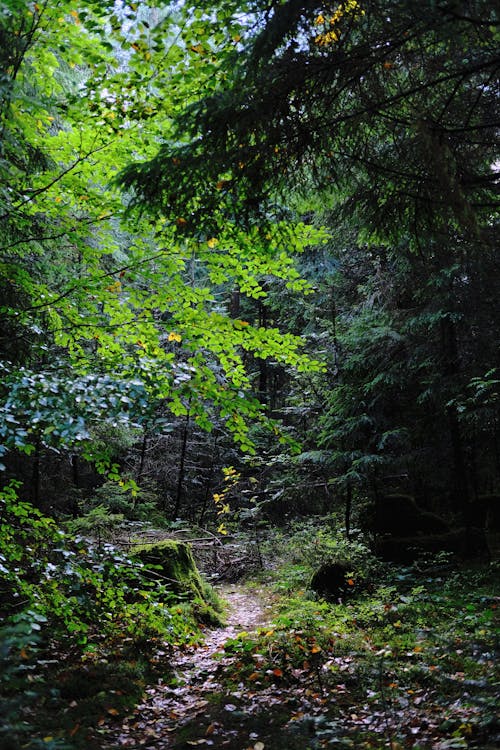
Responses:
[182,463]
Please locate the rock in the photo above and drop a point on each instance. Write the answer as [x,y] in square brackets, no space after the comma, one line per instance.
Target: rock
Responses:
[465,543]
[330,581]
[400,516]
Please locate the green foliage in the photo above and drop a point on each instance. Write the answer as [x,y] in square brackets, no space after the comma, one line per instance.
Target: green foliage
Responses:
[314,543]
[409,648]
[57,411]
[98,523]
[84,592]
[92,603]
[108,315]
[125,500]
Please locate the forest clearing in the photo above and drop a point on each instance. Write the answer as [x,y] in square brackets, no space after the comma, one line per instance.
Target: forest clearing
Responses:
[249,374]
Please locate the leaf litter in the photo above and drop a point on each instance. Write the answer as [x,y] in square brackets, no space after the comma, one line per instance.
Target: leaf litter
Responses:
[237,691]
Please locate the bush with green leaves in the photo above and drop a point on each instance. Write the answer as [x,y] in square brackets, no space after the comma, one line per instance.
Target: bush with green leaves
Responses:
[85,591]
[128,500]
[316,543]
[79,604]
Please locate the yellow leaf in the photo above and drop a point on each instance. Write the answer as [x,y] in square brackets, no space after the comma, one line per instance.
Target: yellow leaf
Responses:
[319,20]
[212,242]
[237,38]
[173,336]
[58,199]
[315,649]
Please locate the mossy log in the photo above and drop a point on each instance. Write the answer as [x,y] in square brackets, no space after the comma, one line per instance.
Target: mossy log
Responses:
[174,562]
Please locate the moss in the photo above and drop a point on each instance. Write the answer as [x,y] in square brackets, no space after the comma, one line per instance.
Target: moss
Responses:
[175,563]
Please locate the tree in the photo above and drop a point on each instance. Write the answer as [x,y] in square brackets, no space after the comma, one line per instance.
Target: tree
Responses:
[388,110]
[95,294]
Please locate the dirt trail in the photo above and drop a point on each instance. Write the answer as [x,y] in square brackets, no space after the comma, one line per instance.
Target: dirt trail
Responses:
[159,720]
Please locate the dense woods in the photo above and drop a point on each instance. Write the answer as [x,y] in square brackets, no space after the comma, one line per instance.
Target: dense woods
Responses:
[250,298]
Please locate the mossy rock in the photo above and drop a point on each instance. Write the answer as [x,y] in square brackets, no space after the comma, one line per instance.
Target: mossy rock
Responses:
[330,581]
[399,516]
[464,543]
[175,564]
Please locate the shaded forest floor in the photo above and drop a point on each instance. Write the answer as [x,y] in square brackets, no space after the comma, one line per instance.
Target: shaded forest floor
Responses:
[406,666]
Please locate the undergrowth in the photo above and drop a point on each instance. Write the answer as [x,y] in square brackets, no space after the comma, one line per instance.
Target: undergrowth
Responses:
[407,662]
[84,630]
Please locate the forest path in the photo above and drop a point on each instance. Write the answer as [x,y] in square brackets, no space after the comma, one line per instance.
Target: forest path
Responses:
[194,709]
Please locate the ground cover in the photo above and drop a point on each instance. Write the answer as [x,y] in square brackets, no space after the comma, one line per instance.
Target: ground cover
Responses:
[397,657]
[407,664]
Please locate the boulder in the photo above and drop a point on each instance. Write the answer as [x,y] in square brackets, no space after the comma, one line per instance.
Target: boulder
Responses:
[399,515]
[464,543]
[330,581]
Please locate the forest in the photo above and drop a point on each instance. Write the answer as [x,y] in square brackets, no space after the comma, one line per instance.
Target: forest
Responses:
[249,374]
